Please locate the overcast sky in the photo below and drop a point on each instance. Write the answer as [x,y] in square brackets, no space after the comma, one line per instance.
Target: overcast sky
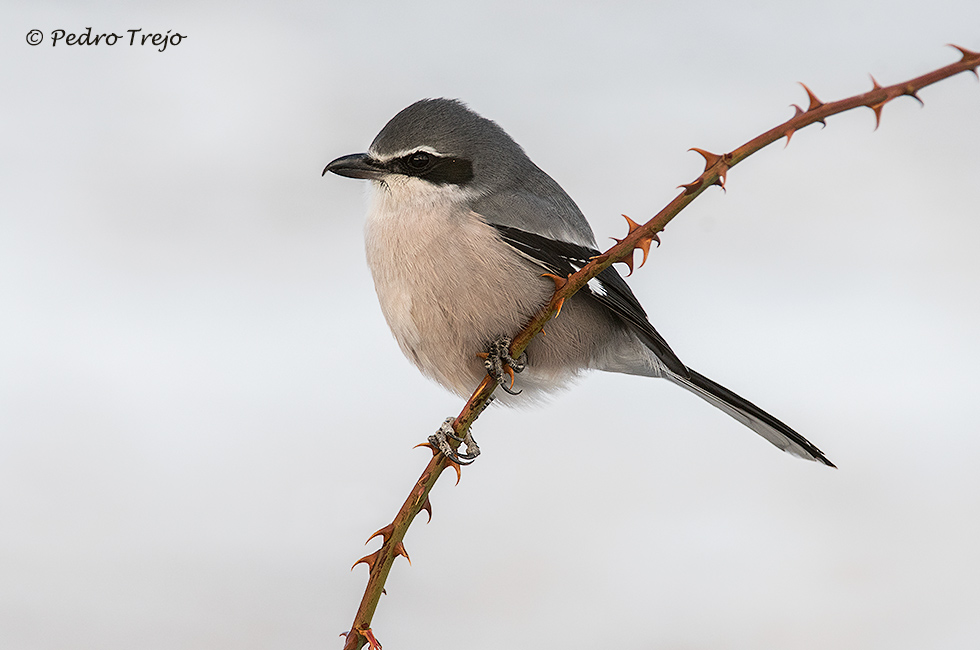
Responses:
[203,414]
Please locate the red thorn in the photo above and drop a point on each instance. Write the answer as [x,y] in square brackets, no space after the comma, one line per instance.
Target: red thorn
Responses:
[557,279]
[455,466]
[721,177]
[430,447]
[814,102]
[628,260]
[877,109]
[644,245]
[913,93]
[690,188]
[384,532]
[368,560]
[967,55]
[559,283]
[709,158]
[400,550]
[632,224]
[373,643]
[712,159]
[561,303]
[789,134]
[427,506]
[510,371]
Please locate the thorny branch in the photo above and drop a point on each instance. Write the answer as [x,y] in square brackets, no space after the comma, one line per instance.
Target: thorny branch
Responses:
[639,236]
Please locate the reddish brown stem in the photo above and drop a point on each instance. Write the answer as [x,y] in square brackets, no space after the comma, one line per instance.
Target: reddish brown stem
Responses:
[716,169]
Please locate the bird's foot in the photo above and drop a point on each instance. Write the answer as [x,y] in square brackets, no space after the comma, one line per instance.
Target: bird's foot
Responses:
[498,361]
[440,440]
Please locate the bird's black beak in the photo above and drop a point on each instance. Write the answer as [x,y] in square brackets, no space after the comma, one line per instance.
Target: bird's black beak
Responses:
[358,165]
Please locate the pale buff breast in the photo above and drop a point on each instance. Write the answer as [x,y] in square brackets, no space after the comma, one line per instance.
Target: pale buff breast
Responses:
[448,285]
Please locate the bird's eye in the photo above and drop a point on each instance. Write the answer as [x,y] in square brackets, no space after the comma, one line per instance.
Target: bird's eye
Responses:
[419,160]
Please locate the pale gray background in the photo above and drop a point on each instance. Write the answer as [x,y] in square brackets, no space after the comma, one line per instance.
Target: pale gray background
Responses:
[202,414]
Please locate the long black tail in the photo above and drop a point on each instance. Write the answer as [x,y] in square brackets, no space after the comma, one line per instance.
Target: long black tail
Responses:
[750,415]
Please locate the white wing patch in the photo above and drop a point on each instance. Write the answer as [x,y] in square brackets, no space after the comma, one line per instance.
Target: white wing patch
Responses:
[597,288]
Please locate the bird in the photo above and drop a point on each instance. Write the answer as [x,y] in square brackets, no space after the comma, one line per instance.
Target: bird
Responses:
[462,233]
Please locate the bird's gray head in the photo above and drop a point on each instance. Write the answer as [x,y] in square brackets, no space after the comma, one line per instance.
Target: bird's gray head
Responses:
[440,141]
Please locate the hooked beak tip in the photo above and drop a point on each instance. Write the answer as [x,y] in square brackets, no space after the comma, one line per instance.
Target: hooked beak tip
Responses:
[358,165]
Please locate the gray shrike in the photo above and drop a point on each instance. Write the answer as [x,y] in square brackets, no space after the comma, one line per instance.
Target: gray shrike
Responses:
[460,229]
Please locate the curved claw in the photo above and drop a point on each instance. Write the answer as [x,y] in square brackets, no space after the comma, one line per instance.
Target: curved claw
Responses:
[440,443]
[461,459]
[450,432]
[440,440]
[498,360]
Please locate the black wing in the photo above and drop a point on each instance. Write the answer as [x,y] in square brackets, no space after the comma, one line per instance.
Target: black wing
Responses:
[608,288]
